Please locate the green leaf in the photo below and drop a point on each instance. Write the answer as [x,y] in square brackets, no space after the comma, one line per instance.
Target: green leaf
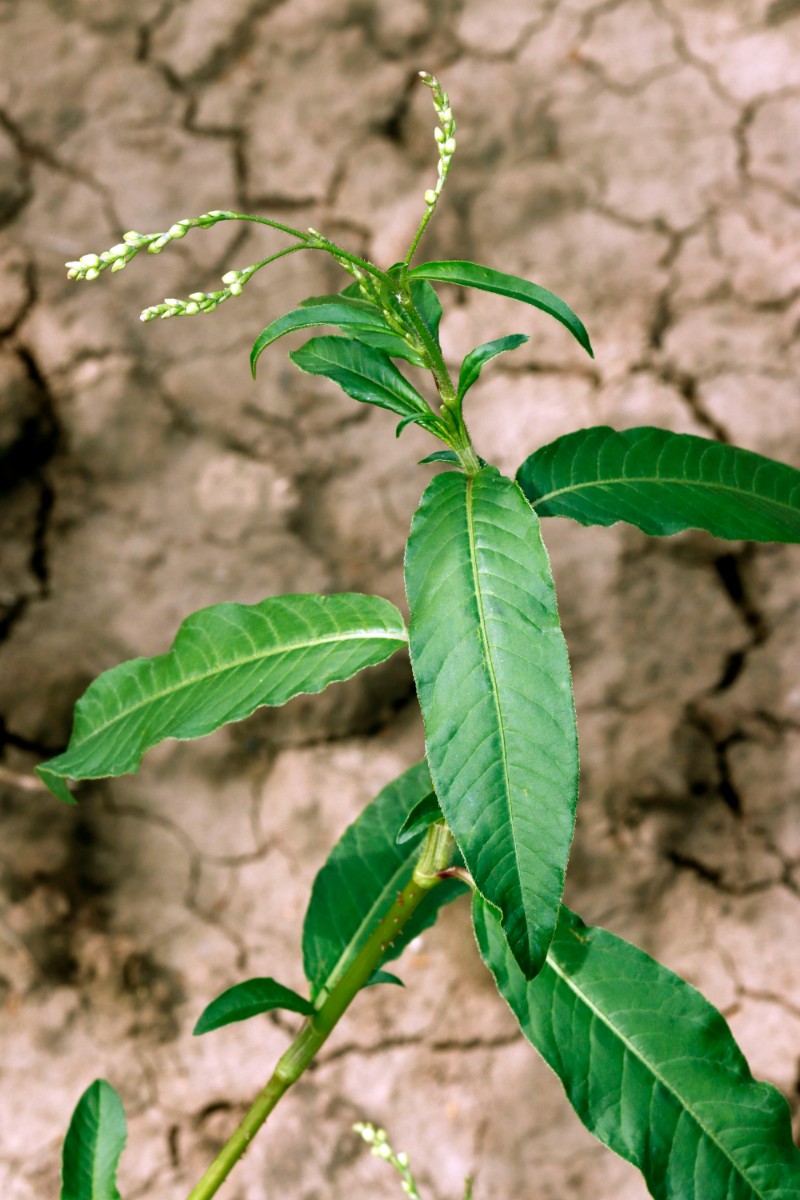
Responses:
[650,1067]
[360,881]
[383,977]
[93,1145]
[390,343]
[424,299]
[249,999]
[493,680]
[365,374]
[476,359]
[663,482]
[225,663]
[427,304]
[422,815]
[342,311]
[469,274]
[443,456]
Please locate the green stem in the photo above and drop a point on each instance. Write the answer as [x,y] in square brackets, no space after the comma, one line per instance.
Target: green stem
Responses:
[434,857]
[310,240]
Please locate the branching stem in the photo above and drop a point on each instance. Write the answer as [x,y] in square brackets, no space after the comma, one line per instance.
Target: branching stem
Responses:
[434,857]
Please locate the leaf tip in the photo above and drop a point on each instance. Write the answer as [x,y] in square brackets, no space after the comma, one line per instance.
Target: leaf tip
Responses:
[56,784]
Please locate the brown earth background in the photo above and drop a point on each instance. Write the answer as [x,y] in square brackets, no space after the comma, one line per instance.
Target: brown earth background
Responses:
[639,158]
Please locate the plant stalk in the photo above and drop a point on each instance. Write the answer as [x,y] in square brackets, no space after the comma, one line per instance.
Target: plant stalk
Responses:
[434,857]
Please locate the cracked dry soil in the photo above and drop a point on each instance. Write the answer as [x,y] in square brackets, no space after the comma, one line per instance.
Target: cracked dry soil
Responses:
[639,158]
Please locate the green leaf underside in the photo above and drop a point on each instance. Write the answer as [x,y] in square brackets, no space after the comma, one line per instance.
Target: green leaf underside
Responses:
[493,680]
[650,1067]
[469,274]
[663,483]
[366,374]
[475,361]
[360,881]
[421,817]
[226,662]
[342,311]
[93,1145]
[250,999]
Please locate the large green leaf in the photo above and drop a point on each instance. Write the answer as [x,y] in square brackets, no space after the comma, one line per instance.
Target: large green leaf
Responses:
[93,1145]
[249,999]
[225,663]
[366,374]
[475,361]
[494,684]
[360,881]
[342,311]
[650,1067]
[470,274]
[663,482]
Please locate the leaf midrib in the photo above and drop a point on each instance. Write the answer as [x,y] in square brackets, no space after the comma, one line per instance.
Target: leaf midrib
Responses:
[486,647]
[382,635]
[390,887]
[660,479]
[410,396]
[606,1020]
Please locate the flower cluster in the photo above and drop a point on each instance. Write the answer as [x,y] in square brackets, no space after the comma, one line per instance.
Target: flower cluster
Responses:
[376,1138]
[445,134]
[201,302]
[89,266]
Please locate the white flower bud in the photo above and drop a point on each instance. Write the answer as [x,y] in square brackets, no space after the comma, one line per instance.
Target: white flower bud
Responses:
[449,146]
[177,231]
[92,273]
[89,260]
[430,197]
[198,296]
[192,308]
[235,289]
[132,237]
[438,134]
[119,265]
[230,277]
[155,247]
[402,1158]
[119,251]
[447,115]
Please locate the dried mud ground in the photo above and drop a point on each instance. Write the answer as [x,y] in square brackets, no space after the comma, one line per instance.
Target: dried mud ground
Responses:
[637,157]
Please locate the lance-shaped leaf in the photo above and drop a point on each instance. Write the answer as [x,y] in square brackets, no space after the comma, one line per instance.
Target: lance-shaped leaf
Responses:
[225,663]
[421,817]
[93,1145]
[664,482]
[360,881]
[366,374]
[469,274]
[250,999]
[650,1067]
[344,312]
[475,361]
[494,684]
